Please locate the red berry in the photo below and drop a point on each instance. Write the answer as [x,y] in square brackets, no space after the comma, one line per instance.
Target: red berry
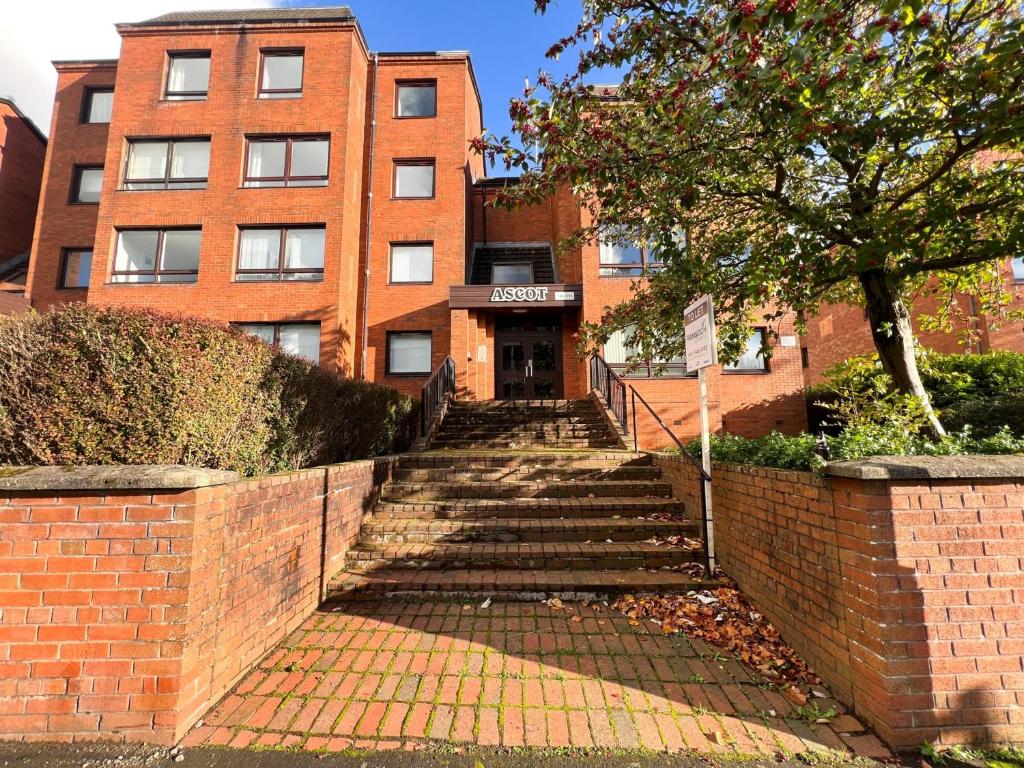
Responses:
[747,8]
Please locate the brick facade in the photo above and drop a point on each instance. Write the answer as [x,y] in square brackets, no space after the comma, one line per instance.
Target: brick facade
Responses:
[22,153]
[128,613]
[905,595]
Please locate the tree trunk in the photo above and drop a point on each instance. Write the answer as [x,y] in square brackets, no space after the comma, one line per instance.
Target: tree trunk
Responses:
[894,339]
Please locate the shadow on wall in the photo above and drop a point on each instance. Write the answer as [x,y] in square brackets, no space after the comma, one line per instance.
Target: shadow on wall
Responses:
[785,413]
[434,319]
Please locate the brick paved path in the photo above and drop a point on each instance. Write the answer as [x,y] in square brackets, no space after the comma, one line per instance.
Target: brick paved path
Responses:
[414,675]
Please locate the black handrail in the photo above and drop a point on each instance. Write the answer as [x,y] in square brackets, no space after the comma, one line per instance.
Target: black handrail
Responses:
[607,382]
[440,384]
[705,477]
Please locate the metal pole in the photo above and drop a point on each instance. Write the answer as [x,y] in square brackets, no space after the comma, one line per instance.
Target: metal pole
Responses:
[636,442]
[705,452]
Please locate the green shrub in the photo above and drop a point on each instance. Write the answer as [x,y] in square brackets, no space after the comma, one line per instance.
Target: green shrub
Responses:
[987,416]
[81,385]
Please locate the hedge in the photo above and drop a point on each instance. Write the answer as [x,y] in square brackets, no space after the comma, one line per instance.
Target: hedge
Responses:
[82,385]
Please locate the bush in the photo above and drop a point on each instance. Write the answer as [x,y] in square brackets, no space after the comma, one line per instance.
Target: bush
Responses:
[81,385]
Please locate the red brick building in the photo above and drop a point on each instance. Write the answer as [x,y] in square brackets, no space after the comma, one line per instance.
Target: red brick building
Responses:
[265,168]
[22,152]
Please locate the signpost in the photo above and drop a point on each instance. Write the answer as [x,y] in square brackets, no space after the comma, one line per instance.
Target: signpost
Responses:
[702,353]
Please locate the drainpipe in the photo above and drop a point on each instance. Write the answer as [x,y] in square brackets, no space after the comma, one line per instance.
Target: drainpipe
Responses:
[369,218]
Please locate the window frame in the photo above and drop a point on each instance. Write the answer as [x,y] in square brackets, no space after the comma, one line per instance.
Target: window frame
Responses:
[170,95]
[647,369]
[403,162]
[409,243]
[87,95]
[645,265]
[76,183]
[766,363]
[281,271]
[528,264]
[415,83]
[288,140]
[276,325]
[157,262]
[277,93]
[62,274]
[387,353]
[167,181]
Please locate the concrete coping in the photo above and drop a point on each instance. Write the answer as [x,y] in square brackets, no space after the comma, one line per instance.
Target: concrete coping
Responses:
[929,467]
[120,477]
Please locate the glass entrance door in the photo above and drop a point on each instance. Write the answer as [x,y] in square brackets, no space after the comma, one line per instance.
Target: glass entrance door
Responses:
[528,359]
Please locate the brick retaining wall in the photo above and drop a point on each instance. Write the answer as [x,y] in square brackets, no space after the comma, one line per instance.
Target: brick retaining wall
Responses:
[900,580]
[127,613]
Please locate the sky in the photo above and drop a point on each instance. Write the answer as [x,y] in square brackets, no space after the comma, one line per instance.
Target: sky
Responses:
[506,39]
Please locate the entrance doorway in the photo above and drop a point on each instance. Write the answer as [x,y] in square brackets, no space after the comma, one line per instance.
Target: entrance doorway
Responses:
[528,358]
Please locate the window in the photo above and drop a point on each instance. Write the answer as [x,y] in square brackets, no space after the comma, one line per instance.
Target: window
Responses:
[1017,264]
[281,253]
[75,265]
[88,180]
[416,98]
[157,256]
[414,178]
[98,105]
[409,352]
[300,339]
[620,356]
[412,262]
[751,361]
[167,164]
[287,162]
[281,74]
[625,259]
[516,273]
[188,76]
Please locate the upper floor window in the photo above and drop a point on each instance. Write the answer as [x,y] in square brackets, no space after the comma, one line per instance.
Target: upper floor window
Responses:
[75,265]
[281,253]
[300,339]
[281,74]
[167,164]
[752,360]
[414,178]
[626,259]
[290,161]
[1018,268]
[98,105]
[412,262]
[409,352]
[416,98]
[157,256]
[513,273]
[623,358]
[88,181]
[188,75]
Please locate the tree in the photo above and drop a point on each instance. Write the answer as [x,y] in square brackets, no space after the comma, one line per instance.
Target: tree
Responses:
[811,150]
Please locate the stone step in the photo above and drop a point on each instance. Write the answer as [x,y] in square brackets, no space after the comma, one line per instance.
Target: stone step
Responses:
[539,433]
[504,405]
[526,584]
[480,475]
[539,489]
[513,444]
[491,509]
[522,530]
[542,556]
[504,459]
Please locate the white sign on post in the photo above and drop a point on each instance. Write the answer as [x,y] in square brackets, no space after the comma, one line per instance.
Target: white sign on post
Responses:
[702,353]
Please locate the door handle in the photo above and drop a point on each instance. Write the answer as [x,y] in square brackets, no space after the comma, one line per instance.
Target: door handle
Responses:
[529,368]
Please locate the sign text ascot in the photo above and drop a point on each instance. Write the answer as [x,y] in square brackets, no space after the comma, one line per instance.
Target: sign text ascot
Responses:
[519,293]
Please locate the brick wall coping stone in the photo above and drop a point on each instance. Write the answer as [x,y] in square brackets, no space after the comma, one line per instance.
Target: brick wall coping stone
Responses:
[95,477]
[929,467]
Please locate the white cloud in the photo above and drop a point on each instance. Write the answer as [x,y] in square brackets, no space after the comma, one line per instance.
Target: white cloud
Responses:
[35,32]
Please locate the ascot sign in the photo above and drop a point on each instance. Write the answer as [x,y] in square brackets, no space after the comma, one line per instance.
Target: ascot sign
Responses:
[520,293]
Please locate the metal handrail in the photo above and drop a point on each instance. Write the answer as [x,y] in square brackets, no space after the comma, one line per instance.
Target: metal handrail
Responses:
[607,382]
[440,384]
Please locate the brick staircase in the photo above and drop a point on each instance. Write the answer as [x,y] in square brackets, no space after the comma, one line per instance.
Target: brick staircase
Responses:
[520,499]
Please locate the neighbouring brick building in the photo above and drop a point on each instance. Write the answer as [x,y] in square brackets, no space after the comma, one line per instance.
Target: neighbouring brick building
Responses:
[22,152]
[267,169]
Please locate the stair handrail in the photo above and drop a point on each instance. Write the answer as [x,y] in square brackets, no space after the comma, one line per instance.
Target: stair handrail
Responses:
[705,477]
[440,385]
[613,388]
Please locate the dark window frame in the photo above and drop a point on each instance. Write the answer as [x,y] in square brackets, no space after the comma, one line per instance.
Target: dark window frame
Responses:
[281,271]
[76,182]
[288,139]
[62,275]
[387,353]
[87,95]
[766,363]
[647,369]
[280,52]
[404,162]
[167,181]
[528,264]
[645,266]
[410,243]
[415,83]
[156,271]
[187,53]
